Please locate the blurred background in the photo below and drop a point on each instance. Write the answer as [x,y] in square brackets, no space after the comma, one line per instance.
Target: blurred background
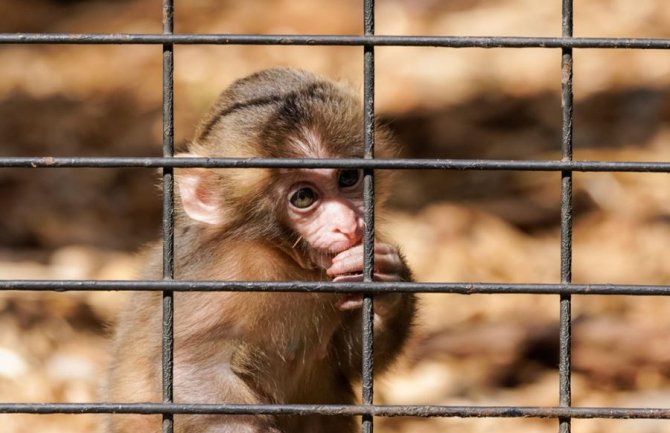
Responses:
[453,226]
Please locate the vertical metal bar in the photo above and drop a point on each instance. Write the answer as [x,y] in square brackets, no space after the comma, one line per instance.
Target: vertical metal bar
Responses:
[369,217]
[168,215]
[565,337]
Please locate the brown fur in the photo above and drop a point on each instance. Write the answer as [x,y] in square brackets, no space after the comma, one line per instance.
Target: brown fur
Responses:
[254,347]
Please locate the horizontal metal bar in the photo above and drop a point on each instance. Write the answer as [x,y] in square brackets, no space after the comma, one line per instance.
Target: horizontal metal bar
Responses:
[333,287]
[397,164]
[329,40]
[307,409]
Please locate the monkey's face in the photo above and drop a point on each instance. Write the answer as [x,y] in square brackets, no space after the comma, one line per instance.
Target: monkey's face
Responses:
[325,208]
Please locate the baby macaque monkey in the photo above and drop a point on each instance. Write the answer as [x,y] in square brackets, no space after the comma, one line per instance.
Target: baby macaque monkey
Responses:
[265,225]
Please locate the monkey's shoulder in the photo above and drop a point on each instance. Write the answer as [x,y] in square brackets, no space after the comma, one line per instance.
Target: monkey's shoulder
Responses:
[245,260]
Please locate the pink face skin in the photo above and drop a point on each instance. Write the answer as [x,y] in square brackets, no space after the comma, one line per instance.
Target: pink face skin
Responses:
[325,206]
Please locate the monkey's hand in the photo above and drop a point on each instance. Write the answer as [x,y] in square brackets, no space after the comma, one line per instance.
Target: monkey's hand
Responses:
[347,266]
[389,265]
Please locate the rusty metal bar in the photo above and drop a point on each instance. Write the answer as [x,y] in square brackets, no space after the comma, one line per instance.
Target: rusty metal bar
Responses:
[367,311]
[394,164]
[423,411]
[167,357]
[333,40]
[565,320]
[340,287]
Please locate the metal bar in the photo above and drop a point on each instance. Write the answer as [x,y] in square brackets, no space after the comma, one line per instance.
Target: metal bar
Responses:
[463,288]
[333,40]
[395,164]
[335,410]
[167,365]
[565,321]
[367,312]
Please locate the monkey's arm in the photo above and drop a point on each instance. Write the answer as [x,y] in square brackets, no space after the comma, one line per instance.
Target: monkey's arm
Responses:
[393,321]
[394,312]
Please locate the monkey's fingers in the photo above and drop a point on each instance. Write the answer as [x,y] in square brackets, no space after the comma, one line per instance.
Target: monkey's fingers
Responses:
[350,302]
[387,278]
[387,261]
[346,264]
[385,303]
[348,278]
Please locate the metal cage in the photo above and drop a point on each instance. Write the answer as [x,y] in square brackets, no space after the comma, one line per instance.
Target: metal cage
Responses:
[564,412]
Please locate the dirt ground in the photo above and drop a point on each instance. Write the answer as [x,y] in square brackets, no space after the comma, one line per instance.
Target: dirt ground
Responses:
[453,226]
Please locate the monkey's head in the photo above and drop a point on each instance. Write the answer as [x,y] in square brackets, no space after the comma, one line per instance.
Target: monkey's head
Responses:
[282,113]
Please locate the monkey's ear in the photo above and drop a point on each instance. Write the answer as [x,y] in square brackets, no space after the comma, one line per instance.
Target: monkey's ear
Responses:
[198,196]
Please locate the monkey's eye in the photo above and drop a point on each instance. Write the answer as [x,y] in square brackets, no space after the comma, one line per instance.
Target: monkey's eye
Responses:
[303,198]
[348,178]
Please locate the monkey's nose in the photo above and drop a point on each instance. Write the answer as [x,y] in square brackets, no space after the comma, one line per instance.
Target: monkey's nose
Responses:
[351,229]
